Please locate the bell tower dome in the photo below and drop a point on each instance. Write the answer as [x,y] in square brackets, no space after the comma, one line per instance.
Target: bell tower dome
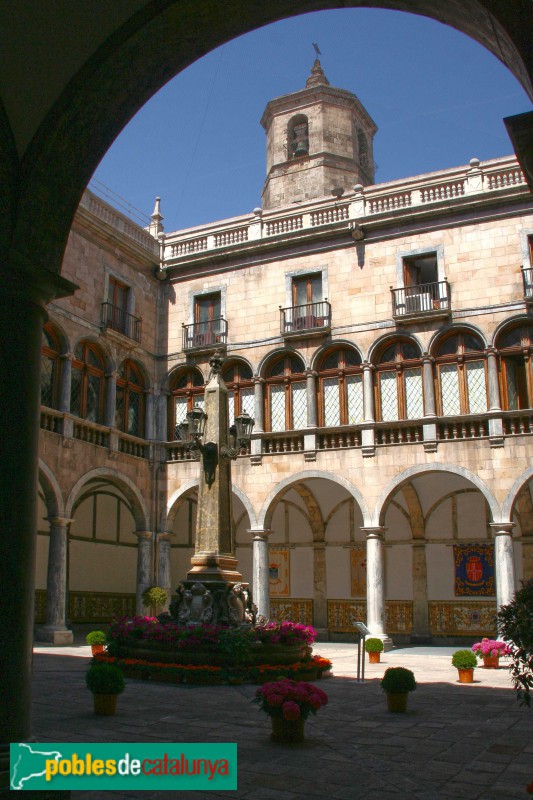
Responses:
[318,139]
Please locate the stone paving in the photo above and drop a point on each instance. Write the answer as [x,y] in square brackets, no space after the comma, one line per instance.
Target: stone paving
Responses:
[456,741]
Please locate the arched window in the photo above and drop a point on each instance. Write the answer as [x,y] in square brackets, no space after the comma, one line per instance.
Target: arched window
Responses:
[187,391]
[515,346]
[461,375]
[87,387]
[239,379]
[286,395]
[129,409]
[50,369]
[298,137]
[399,382]
[340,388]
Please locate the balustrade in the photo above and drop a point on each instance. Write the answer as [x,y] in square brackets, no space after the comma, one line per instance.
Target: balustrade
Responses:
[91,433]
[462,428]
[283,443]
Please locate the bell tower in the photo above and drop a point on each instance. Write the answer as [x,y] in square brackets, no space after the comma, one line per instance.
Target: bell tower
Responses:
[318,139]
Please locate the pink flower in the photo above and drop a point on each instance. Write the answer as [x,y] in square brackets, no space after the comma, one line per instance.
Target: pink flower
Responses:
[291,710]
[274,699]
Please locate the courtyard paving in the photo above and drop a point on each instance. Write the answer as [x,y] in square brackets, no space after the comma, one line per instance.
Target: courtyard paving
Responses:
[456,741]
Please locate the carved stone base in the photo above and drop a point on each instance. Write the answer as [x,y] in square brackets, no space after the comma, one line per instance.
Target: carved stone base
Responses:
[212,603]
[58,636]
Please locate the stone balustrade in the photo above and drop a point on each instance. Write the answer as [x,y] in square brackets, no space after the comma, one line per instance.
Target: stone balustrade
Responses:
[365,203]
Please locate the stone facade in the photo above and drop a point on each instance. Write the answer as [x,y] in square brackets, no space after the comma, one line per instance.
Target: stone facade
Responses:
[382,340]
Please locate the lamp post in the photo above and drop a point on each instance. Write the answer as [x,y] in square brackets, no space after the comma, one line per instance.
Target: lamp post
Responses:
[214,590]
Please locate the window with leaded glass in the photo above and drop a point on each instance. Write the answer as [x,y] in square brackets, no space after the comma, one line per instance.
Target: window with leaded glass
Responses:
[238,378]
[129,409]
[286,394]
[340,388]
[187,391]
[515,346]
[50,369]
[399,382]
[461,375]
[87,384]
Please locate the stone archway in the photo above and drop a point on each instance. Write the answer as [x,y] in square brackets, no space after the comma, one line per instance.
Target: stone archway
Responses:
[315,544]
[434,523]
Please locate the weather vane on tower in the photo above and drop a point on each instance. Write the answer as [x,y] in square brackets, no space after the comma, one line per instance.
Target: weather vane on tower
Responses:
[317,49]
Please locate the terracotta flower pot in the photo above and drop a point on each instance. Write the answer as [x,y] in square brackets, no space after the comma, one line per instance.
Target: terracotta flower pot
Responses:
[397,701]
[374,658]
[466,675]
[491,662]
[97,648]
[287,731]
[105,705]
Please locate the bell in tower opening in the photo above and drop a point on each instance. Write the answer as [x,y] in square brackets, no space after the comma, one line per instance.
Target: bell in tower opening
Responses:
[298,137]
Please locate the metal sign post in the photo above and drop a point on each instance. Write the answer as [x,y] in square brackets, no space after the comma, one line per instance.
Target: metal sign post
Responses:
[362,633]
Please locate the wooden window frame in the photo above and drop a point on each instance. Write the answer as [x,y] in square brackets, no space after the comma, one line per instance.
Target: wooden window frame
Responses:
[86,370]
[287,379]
[191,391]
[342,371]
[53,355]
[525,351]
[399,366]
[460,358]
[237,385]
[132,388]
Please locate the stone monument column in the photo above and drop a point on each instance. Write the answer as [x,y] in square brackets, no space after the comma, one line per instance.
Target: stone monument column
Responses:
[144,567]
[164,579]
[55,629]
[503,562]
[375,584]
[261,572]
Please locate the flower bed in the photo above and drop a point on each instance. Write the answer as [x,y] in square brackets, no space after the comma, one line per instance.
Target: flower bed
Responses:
[205,674]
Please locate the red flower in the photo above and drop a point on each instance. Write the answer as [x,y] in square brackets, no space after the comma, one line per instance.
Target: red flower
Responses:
[291,710]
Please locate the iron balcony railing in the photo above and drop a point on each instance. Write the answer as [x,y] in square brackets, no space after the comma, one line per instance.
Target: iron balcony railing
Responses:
[311,317]
[120,321]
[201,335]
[426,298]
[527,277]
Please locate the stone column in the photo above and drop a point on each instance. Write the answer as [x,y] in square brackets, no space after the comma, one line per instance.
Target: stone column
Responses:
[494,385]
[261,575]
[110,399]
[149,415]
[504,562]
[66,380]
[368,433]
[312,415]
[320,600]
[144,567]
[256,445]
[375,583]
[26,289]
[164,579]
[429,386]
[259,405]
[368,393]
[420,592]
[55,629]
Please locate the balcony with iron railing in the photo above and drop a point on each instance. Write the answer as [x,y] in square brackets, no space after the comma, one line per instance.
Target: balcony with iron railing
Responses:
[412,303]
[308,319]
[208,335]
[527,277]
[116,319]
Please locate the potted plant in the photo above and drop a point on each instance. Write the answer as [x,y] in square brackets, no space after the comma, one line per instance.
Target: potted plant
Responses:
[374,648]
[516,624]
[97,641]
[106,682]
[288,703]
[397,682]
[154,598]
[464,661]
[490,651]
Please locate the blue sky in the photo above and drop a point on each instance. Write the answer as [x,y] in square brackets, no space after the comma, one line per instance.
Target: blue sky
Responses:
[437,97]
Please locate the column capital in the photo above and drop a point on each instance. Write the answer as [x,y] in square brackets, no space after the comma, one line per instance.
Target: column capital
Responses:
[28,281]
[427,358]
[66,356]
[368,366]
[143,535]
[258,380]
[63,521]
[259,534]
[502,528]
[375,532]
[311,373]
